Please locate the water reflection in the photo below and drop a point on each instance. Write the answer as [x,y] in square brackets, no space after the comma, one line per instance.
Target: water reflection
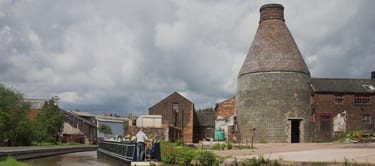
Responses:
[77,159]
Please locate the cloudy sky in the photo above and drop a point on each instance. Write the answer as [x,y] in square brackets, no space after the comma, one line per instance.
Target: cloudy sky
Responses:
[124,56]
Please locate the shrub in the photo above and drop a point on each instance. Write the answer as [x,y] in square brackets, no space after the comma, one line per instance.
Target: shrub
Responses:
[263,141]
[183,155]
[206,158]
[229,145]
[180,142]
[174,154]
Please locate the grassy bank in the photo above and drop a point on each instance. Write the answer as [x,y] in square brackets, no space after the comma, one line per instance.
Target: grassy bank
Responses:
[10,161]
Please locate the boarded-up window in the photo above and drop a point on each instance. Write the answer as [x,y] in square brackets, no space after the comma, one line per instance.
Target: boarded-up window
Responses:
[325,123]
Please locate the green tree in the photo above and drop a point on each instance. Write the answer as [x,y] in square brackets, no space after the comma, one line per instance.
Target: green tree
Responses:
[105,129]
[14,121]
[48,123]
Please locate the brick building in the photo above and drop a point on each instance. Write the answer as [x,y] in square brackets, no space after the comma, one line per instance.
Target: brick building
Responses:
[225,119]
[273,92]
[278,100]
[35,106]
[177,117]
[351,99]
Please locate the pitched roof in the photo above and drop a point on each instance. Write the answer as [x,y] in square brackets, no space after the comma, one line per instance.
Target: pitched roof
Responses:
[342,85]
[171,95]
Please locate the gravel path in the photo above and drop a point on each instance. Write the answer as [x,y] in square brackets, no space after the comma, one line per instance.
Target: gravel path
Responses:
[306,152]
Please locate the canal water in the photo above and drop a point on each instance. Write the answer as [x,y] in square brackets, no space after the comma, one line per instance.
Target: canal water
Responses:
[77,159]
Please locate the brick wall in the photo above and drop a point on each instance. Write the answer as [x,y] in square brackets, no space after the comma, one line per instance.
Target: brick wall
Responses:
[325,109]
[225,109]
[181,120]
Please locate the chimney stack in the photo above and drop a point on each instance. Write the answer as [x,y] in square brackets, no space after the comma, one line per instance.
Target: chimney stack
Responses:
[373,75]
[273,92]
[271,12]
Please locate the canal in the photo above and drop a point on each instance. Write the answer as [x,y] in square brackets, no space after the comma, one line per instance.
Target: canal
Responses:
[77,159]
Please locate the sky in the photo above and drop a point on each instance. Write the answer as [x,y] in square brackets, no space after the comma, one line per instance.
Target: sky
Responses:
[121,56]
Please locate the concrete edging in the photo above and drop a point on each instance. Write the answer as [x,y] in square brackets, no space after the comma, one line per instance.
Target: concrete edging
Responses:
[29,153]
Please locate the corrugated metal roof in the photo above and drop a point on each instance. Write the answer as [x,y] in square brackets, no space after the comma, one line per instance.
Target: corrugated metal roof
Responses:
[205,118]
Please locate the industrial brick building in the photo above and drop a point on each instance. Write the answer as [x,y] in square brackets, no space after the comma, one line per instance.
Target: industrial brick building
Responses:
[277,101]
[273,92]
[225,119]
[342,105]
[177,117]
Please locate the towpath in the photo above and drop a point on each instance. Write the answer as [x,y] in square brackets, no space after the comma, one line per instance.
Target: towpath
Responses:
[306,152]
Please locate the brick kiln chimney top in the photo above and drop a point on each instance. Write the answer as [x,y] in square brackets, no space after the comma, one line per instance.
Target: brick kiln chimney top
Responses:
[271,11]
[273,48]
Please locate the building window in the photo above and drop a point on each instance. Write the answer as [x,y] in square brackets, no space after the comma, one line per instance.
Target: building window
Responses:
[325,123]
[175,107]
[362,100]
[339,99]
[366,119]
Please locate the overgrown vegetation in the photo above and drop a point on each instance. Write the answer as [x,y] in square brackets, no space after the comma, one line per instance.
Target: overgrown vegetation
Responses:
[218,147]
[260,161]
[17,129]
[180,142]
[10,161]
[355,136]
[263,141]
[229,145]
[172,153]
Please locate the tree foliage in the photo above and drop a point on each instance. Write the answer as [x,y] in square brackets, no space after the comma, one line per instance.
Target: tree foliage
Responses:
[105,129]
[14,121]
[48,123]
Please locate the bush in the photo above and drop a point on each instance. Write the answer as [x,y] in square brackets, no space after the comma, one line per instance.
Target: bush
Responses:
[180,142]
[229,145]
[173,154]
[206,158]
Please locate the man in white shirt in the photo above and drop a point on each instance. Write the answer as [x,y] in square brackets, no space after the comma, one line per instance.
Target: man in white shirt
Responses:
[141,138]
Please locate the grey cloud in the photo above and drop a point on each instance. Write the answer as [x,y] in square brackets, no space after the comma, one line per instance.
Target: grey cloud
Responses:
[124,56]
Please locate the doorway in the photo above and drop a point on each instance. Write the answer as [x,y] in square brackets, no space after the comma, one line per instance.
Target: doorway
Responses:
[295,130]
